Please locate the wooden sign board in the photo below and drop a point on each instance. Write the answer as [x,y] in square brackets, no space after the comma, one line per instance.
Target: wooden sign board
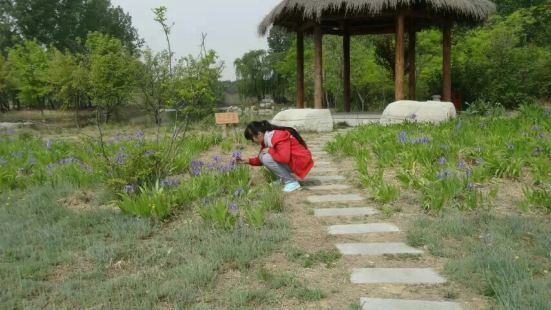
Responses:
[227,118]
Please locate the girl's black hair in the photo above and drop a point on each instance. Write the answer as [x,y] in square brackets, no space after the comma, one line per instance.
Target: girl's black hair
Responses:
[253,128]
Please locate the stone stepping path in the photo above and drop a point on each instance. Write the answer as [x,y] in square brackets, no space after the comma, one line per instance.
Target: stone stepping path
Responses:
[403,304]
[409,276]
[334,198]
[374,249]
[329,187]
[395,275]
[344,212]
[362,228]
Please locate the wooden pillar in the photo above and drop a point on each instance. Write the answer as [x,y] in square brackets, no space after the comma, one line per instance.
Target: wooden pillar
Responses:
[300,70]
[346,69]
[412,45]
[399,64]
[447,62]
[318,68]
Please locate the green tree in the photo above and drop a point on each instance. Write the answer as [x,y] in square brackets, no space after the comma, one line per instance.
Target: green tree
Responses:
[61,22]
[253,72]
[68,77]
[28,64]
[155,83]
[112,73]
[198,83]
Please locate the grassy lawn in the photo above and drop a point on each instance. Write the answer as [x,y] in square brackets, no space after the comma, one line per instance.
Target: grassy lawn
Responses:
[482,188]
[80,232]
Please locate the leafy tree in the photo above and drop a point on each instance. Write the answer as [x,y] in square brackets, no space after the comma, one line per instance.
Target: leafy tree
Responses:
[61,22]
[112,72]
[198,82]
[156,83]
[28,64]
[68,78]
[253,72]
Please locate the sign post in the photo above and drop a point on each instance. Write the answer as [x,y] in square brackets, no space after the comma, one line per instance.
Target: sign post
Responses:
[226,118]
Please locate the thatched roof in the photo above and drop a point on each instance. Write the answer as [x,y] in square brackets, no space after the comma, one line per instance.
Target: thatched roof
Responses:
[293,13]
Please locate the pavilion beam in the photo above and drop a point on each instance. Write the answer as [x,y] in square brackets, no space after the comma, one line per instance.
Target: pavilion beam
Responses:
[447,62]
[346,69]
[399,64]
[300,70]
[412,80]
[318,67]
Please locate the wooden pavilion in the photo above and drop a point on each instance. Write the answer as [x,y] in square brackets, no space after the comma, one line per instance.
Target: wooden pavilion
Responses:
[362,17]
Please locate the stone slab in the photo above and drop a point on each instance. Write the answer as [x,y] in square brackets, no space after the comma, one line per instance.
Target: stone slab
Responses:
[323,178]
[344,212]
[318,120]
[395,275]
[334,198]
[403,304]
[373,249]
[329,187]
[362,228]
[322,163]
[416,111]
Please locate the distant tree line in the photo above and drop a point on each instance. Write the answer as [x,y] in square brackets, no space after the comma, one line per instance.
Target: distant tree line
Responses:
[507,60]
[79,54]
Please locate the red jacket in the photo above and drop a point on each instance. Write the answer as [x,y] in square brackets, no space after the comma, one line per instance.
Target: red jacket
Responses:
[287,150]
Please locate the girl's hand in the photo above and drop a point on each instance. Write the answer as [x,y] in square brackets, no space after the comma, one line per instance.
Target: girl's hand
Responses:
[265,150]
[240,161]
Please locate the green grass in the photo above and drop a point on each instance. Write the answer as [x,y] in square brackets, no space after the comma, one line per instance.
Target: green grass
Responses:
[308,260]
[506,257]
[54,256]
[454,164]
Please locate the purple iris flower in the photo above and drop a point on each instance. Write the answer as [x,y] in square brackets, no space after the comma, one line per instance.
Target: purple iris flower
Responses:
[129,188]
[170,182]
[458,125]
[536,128]
[69,160]
[232,207]
[442,160]
[510,146]
[541,135]
[443,174]
[139,134]
[49,144]
[413,116]
[238,192]
[17,154]
[120,157]
[149,153]
[471,186]
[402,137]
[236,155]
[3,161]
[468,173]
[217,158]
[49,169]
[31,160]
[461,164]
[538,150]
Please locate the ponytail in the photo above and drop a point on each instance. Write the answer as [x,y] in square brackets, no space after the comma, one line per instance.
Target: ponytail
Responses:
[253,128]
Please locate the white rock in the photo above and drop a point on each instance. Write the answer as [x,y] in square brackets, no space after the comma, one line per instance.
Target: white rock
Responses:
[417,111]
[318,120]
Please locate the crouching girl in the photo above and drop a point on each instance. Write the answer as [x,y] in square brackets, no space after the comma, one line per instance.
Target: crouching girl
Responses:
[282,151]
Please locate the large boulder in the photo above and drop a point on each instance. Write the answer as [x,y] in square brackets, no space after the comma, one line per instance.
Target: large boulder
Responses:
[417,111]
[318,120]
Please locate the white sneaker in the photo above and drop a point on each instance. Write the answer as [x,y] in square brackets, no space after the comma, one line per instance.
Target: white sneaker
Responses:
[291,186]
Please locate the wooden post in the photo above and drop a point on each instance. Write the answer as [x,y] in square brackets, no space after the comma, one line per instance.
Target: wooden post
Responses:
[399,64]
[300,69]
[412,80]
[447,62]
[318,68]
[346,69]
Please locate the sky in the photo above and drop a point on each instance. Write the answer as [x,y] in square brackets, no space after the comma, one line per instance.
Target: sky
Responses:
[230,26]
